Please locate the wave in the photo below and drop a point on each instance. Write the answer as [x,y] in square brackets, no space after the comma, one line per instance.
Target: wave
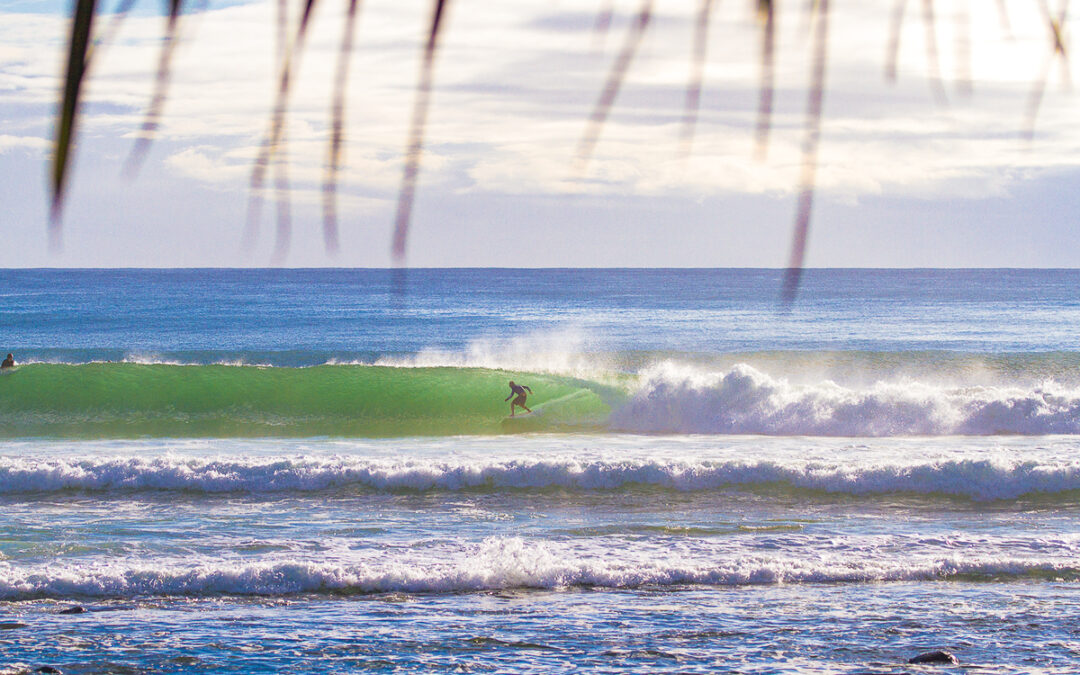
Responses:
[125,400]
[674,398]
[895,395]
[495,564]
[975,479]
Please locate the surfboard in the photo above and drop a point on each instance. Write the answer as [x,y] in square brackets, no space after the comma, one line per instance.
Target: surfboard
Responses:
[522,421]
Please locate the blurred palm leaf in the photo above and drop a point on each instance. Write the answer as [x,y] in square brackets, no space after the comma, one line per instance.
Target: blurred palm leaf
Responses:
[697,77]
[78,57]
[614,81]
[161,83]
[272,144]
[337,134]
[272,155]
[767,18]
[415,147]
[811,140]
[1056,26]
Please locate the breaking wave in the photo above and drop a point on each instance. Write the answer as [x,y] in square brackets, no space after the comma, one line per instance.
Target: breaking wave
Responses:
[495,564]
[982,479]
[436,394]
[743,400]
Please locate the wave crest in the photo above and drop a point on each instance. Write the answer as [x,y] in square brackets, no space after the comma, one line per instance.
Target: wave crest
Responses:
[743,400]
[975,479]
[495,564]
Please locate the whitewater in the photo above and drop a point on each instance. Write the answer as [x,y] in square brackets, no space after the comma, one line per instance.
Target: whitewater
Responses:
[314,470]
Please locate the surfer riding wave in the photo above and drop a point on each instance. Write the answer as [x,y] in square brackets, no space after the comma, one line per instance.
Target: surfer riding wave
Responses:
[517,392]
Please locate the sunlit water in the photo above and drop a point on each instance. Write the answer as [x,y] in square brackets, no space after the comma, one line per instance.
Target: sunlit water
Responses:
[709,484]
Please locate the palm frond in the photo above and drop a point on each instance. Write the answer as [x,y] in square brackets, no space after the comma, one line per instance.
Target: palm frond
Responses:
[811,140]
[697,76]
[415,146]
[337,134]
[767,17]
[161,84]
[892,54]
[78,56]
[123,8]
[613,83]
[933,63]
[1055,26]
[271,142]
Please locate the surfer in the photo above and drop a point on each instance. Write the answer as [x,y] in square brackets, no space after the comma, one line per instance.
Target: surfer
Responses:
[517,391]
[9,362]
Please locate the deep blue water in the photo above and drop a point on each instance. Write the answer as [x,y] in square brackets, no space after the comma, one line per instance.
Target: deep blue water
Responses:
[302,317]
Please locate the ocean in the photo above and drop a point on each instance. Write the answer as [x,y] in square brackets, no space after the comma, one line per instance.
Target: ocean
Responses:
[310,471]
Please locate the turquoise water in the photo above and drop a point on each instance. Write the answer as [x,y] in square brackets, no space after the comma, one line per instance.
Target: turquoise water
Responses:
[311,471]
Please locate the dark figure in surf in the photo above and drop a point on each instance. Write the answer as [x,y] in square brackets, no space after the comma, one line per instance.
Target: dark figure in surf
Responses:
[517,391]
[9,362]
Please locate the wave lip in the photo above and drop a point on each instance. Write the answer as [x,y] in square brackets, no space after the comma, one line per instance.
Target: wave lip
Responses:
[495,564]
[743,400]
[980,480]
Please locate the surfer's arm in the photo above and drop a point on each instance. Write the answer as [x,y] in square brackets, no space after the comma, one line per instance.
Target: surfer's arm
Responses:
[530,390]
[508,397]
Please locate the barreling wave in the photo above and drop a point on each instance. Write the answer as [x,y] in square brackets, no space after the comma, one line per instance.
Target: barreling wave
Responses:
[975,479]
[910,394]
[496,564]
[125,400]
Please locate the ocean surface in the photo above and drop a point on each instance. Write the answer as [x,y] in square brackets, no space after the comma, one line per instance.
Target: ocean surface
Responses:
[311,471]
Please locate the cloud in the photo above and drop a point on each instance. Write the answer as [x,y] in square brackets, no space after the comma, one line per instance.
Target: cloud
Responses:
[515,84]
[514,89]
[8,143]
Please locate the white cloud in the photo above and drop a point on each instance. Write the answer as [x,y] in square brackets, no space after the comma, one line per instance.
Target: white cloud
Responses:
[514,89]
[8,143]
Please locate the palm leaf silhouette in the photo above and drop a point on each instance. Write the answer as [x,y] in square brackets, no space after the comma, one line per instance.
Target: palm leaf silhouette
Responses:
[272,146]
[614,81]
[337,133]
[811,140]
[273,153]
[161,83]
[697,77]
[78,57]
[415,147]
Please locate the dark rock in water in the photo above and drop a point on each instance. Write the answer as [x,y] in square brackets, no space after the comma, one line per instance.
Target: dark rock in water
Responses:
[938,656]
[72,610]
[49,669]
[11,625]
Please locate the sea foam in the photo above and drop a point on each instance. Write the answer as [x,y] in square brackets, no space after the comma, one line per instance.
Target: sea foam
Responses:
[979,479]
[673,398]
[495,564]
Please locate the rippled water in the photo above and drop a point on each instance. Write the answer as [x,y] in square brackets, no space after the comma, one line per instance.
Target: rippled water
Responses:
[709,485]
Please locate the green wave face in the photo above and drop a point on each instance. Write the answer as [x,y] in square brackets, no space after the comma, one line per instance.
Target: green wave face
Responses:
[125,400]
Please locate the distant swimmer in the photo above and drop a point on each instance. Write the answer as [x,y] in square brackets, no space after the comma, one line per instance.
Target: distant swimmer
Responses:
[9,362]
[517,391]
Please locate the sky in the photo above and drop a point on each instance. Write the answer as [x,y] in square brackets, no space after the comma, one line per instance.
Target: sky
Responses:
[922,171]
